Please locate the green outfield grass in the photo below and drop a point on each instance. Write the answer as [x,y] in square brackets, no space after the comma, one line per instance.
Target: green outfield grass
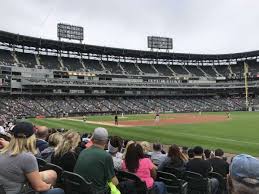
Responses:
[238,135]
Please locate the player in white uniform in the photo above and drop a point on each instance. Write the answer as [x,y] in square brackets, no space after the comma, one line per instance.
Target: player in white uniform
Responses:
[157,118]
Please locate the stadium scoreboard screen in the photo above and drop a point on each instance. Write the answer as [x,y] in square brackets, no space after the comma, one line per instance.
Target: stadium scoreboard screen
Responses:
[70,32]
[155,42]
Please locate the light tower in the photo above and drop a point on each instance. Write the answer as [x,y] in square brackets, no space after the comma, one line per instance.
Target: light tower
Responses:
[246,83]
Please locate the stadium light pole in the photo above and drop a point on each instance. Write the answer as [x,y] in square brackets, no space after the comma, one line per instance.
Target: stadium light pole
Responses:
[246,83]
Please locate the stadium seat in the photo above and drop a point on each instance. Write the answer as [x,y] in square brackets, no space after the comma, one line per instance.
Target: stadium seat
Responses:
[130,183]
[173,184]
[41,163]
[2,191]
[76,184]
[222,182]
[178,173]
[196,183]
[57,169]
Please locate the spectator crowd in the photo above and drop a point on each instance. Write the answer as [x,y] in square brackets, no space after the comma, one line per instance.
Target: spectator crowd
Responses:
[100,159]
[13,107]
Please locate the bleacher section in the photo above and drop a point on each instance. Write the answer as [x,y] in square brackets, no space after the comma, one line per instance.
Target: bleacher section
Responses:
[238,69]
[194,71]
[6,58]
[72,64]
[223,70]
[92,65]
[146,68]
[113,67]
[54,106]
[209,71]
[26,59]
[178,69]
[253,68]
[49,62]
[163,70]
[130,68]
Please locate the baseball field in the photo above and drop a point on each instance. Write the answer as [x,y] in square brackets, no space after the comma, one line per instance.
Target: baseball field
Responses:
[237,134]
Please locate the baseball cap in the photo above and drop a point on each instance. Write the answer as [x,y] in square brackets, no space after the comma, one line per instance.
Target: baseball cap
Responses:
[100,134]
[23,129]
[245,168]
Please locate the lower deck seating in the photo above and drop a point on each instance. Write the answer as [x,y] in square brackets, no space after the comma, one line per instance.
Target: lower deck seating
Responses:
[26,106]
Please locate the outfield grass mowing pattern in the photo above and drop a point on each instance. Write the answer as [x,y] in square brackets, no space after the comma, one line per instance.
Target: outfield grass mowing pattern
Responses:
[238,135]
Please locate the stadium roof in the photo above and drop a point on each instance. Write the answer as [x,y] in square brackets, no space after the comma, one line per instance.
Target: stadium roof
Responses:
[17,39]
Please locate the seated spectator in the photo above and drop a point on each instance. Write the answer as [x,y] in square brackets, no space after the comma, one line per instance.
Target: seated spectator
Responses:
[135,162]
[203,167]
[114,147]
[190,154]
[18,164]
[244,175]
[207,154]
[3,142]
[125,142]
[67,151]
[89,141]
[174,159]
[218,164]
[5,136]
[42,134]
[156,156]
[185,151]
[126,148]
[53,140]
[95,164]
[146,148]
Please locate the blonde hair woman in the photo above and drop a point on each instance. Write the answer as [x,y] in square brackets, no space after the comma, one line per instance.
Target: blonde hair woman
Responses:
[67,151]
[54,140]
[146,148]
[19,165]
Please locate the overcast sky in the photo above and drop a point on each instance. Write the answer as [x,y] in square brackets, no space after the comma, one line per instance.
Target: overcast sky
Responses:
[196,26]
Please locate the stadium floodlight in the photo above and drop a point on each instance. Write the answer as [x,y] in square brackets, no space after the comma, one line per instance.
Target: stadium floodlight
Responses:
[156,42]
[70,32]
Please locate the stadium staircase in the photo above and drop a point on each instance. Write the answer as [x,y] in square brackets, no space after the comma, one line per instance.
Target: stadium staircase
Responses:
[230,70]
[61,63]
[152,65]
[38,102]
[164,105]
[140,71]
[80,101]
[17,63]
[102,65]
[205,74]
[122,69]
[82,62]
[37,59]
[168,66]
[217,73]
[139,106]
[173,106]
[183,66]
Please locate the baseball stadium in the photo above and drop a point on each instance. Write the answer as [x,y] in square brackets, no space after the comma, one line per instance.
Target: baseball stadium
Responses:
[156,96]
[193,100]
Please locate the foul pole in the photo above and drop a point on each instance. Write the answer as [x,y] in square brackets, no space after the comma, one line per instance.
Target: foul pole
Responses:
[246,83]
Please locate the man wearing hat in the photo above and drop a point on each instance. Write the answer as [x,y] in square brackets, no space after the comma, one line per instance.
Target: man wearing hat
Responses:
[95,164]
[244,175]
